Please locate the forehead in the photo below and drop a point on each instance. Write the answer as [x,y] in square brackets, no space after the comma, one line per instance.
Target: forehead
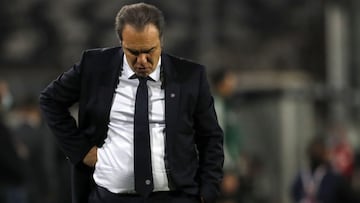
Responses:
[140,38]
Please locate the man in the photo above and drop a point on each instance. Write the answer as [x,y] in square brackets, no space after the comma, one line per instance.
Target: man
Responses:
[320,182]
[167,150]
[12,173]
[224,84]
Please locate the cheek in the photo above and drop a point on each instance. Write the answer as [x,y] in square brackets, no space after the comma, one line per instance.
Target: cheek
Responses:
[131,59]
[155,57]
[151,59]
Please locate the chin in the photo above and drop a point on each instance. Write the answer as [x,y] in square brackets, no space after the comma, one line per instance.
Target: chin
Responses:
[142,74]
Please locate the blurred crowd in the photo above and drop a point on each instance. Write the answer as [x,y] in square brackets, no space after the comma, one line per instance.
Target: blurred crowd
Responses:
[330,173]
[252,33]
[32,168]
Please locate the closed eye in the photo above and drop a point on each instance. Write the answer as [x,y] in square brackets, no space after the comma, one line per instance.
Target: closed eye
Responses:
[138,52]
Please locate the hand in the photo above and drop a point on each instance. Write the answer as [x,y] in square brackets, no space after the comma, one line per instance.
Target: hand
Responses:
[91,157]
[202,200]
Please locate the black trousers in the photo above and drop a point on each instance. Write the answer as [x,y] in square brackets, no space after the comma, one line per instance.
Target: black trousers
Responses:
[102,195]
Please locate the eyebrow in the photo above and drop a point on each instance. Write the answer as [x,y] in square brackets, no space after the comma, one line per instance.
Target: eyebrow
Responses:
[138,52]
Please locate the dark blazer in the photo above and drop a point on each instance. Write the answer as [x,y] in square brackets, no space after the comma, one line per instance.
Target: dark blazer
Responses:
[194,152]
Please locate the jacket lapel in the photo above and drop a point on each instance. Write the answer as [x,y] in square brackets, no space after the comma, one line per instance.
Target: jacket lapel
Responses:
[172,97]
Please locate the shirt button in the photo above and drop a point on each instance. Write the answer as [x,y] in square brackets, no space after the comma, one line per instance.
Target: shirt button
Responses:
[147,182]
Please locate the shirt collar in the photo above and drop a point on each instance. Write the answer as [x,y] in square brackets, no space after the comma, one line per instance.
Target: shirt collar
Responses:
[128,72]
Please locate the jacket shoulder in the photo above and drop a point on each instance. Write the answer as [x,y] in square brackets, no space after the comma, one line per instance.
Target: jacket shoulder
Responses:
[184,62]
[185,67]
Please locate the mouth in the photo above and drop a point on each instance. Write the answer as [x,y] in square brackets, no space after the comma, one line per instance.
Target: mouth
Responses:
[142,71]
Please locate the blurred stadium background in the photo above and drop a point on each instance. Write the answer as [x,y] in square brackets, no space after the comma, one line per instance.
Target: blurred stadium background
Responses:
[297,63]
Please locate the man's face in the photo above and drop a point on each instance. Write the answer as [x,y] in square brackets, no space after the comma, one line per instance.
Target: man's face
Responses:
[142,48]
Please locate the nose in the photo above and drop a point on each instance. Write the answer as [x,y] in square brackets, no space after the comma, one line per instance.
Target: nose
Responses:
[141,58]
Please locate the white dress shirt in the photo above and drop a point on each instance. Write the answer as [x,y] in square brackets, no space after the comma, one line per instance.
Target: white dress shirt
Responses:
[114,169]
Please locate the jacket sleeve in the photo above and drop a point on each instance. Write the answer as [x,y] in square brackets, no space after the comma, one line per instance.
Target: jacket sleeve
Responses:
[209,140]
[55,101]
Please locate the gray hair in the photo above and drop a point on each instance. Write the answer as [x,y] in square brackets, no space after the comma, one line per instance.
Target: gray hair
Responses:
[139,15]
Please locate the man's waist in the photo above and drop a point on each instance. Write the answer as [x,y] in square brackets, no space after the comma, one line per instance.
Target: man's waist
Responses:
[132,193]
[124,183]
